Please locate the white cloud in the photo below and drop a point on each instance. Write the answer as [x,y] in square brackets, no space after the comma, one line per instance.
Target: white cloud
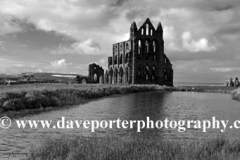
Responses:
[45,24]
[87,47]
[39,70]
[195,46]
[169,33]
[174,47]
[102,61]
[59,63]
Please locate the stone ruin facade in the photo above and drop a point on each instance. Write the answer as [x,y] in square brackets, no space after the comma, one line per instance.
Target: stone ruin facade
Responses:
[95,73]
[141,59]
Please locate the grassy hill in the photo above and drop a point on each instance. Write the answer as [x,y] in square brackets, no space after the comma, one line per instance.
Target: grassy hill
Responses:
[43,76]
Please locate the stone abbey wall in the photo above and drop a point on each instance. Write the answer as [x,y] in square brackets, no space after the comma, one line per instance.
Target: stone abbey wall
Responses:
[141,59]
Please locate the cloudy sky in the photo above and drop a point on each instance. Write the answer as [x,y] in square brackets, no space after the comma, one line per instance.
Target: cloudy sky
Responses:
[202,37]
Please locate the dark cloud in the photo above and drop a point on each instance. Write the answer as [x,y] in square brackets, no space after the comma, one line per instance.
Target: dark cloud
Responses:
[142,12]
[117,2]
[95,45]
[34,37]
[10,24]
[222,8]
[217,5]
[230,29]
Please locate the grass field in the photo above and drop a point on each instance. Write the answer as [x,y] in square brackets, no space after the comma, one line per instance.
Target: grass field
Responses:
[138,148]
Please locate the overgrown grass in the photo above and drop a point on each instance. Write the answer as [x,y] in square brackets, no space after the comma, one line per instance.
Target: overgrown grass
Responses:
[138,148]
[22,97]
[236,94]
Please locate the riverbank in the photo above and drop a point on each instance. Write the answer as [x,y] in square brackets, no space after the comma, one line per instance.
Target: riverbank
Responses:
[36,97]
[135,148]
[214,89]
[234,91]
[33,98]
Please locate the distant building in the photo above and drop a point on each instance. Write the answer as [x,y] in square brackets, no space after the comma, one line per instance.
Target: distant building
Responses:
[141,59]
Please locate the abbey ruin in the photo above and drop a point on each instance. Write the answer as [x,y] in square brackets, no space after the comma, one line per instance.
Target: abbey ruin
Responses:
[139,60]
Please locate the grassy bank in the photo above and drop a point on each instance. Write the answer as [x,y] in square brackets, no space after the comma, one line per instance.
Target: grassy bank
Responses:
[35,97]
[213,89]
[236,94]
[139,148]
[38,96]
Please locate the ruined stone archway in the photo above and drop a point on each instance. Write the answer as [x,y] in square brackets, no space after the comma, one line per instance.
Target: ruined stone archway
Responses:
[153,73]
[146,74]
[127,75]
[95,72]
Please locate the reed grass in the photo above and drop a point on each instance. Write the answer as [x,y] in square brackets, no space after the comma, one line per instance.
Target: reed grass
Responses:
[137,148]
[35,96]
[40,96]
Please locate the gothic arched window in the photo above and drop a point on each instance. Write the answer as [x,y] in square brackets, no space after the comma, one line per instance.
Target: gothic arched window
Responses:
[95,77]
[115,59]
[116,49]
[127,46]
[154,46]
[121,57]
[147,29]
[139,47]
[147,46]
[146,73]
[153,73]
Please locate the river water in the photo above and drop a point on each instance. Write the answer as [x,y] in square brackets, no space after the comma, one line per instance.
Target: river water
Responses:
[137,106]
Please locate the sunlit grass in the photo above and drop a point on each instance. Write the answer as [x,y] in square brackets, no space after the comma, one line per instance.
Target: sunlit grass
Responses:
[137,148]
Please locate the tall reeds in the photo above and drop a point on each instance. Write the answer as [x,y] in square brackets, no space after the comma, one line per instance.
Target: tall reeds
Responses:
[33,97]
[136,148]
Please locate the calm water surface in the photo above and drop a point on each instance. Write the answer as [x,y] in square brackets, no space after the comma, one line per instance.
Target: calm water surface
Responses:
[137,106]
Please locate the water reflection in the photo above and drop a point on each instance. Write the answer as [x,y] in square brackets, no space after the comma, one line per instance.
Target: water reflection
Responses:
[137,106]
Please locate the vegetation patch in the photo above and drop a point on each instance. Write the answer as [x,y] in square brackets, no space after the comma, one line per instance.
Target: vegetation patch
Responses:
[41,96]
[137,148]
[58,95]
